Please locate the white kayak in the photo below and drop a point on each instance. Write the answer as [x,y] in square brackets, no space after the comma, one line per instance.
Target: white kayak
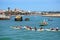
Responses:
[40,29]
[32,29]
[51,30]
[15,27]
[28,29]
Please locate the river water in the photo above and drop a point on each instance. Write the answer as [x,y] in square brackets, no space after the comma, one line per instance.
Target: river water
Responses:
[7,33]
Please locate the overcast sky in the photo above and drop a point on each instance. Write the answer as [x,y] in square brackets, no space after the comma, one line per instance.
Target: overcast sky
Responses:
[33,5]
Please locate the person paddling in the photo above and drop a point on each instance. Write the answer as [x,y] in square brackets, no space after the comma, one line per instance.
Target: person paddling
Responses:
[35,28]
[41,28]
[57,29]
[30,28]
[52,28]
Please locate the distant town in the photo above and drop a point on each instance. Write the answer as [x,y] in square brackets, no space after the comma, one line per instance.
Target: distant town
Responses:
[23,12]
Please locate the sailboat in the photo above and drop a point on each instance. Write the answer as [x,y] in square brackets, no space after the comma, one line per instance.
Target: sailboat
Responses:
[44,23]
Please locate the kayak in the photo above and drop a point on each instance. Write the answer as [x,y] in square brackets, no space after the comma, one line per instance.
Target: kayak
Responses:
[15,27]
[40,29]
[51,30]
[28,29]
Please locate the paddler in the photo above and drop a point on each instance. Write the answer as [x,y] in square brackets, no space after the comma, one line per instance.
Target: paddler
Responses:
[35,28]
[51,28]
[57,29]
[41,28]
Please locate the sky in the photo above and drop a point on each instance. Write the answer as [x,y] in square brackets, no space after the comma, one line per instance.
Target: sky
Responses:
[32,5]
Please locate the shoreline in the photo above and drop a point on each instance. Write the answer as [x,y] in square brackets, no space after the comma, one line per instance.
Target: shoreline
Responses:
[48,15]
[51,15]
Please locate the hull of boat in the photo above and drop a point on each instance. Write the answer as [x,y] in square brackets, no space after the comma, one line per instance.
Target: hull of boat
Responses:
[4,18]
[18,19]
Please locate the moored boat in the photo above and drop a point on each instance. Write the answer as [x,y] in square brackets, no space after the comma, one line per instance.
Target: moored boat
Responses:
[18,18]
[27,19]
[4,17]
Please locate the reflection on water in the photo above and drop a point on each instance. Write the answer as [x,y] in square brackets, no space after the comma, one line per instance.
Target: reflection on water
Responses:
[6,33]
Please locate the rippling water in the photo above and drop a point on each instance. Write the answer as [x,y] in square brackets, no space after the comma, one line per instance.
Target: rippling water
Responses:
[6,33]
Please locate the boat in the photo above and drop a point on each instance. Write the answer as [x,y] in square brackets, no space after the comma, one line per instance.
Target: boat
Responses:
[27,28]
[51,30]
[4,17]
[15,27]
[18,18]
[44,23]
[27,19]
[40,29]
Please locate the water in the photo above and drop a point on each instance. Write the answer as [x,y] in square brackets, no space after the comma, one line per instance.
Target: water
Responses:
[6,33]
